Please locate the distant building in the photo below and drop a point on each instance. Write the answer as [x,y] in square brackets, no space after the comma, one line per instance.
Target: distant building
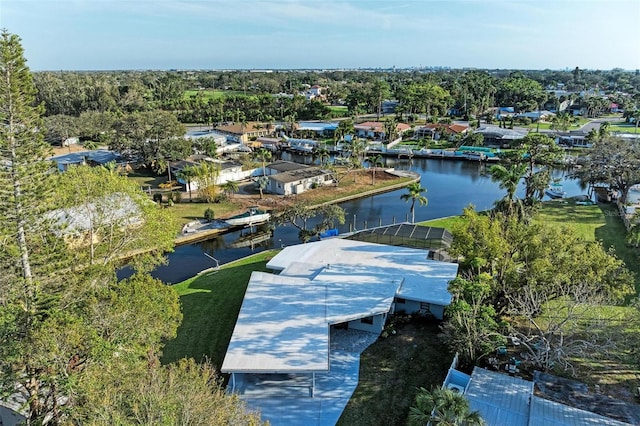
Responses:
[375,129]
[438,131]
[243,132]
[98,157]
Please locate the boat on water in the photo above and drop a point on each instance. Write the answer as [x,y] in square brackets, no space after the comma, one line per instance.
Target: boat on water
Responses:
[555,190]
[253,216]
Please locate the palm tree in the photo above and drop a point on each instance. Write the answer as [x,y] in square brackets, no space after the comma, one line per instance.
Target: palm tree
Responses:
[442,407]
[230,187]
[603,130]
[390,129]
[415,191]
[323,156]
[509,180]
[187,174]
[263,155]
[375,162]
[262,182]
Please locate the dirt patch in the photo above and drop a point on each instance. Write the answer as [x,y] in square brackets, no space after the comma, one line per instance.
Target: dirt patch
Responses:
[60,150]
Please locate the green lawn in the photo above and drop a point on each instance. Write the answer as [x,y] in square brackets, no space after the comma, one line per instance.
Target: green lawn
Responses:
[186,211]
[210,94]
[622,127]
[392,368]
[210,305]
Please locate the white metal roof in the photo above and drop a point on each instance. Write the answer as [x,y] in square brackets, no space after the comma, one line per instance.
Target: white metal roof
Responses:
[500,398]
[424,280]
[505,400]
[283,325]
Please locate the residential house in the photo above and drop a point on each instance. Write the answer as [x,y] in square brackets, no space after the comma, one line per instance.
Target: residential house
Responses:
[319,128]
[503,399]
[497,136]
[283,166]
[283,330]
[243,132]
[542,115]
[299,181]
[227,171]
[314,92]
[437,131]
[375,130]
[98,157]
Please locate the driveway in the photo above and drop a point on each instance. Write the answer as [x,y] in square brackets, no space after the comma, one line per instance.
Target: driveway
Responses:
[287,400]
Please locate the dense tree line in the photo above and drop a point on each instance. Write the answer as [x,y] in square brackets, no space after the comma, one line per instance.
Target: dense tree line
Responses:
[275,96]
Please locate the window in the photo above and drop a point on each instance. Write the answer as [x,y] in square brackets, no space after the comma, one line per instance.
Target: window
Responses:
[400,300]
[367,320]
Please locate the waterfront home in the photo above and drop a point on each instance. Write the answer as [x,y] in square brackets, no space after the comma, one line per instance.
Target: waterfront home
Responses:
[281,344]
[299,180]
[375,129]
[497,136]
[437,131]
[228,170]
[243,132]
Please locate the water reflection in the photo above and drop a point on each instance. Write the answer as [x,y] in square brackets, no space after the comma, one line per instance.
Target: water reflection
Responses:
[451,186]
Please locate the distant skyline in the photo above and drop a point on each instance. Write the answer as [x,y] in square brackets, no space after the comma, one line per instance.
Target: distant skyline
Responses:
[317,34]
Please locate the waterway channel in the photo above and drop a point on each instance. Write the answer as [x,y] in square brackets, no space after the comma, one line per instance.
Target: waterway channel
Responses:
[451,186]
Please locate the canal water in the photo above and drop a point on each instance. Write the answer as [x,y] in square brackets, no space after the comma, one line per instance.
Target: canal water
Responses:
[451,186]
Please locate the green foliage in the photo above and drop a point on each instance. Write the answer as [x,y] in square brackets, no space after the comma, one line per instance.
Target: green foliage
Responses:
[121,218]
[76,345]
[520,92]
[209,214]
[472,328]
[523,267]
[442,407]
[299,213]
[613,162]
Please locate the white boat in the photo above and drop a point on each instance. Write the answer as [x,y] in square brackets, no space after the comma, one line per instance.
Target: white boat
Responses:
[555,190]
[253,216]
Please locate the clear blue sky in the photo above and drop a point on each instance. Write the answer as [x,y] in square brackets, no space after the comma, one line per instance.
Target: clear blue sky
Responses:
[222,34]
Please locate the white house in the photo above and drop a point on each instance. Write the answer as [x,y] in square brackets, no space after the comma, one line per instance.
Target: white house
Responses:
[285,319]
[298,181]
[227,171]
[375,129]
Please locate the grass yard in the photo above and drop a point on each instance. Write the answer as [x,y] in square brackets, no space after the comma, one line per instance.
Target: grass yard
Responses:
[390,372]
[210,94]
[185,211]
[584,219]
[622,127]
[210,305]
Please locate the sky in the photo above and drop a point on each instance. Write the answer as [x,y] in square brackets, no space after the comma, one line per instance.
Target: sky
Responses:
[319,34]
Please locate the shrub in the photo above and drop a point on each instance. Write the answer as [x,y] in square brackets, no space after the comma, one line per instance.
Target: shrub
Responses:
[175,196]
[209,214]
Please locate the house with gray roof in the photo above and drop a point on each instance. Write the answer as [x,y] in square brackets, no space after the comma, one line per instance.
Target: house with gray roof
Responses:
[504,399]
[298,181]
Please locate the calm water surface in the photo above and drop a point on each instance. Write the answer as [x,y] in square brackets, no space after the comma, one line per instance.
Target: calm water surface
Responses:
[451,186]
